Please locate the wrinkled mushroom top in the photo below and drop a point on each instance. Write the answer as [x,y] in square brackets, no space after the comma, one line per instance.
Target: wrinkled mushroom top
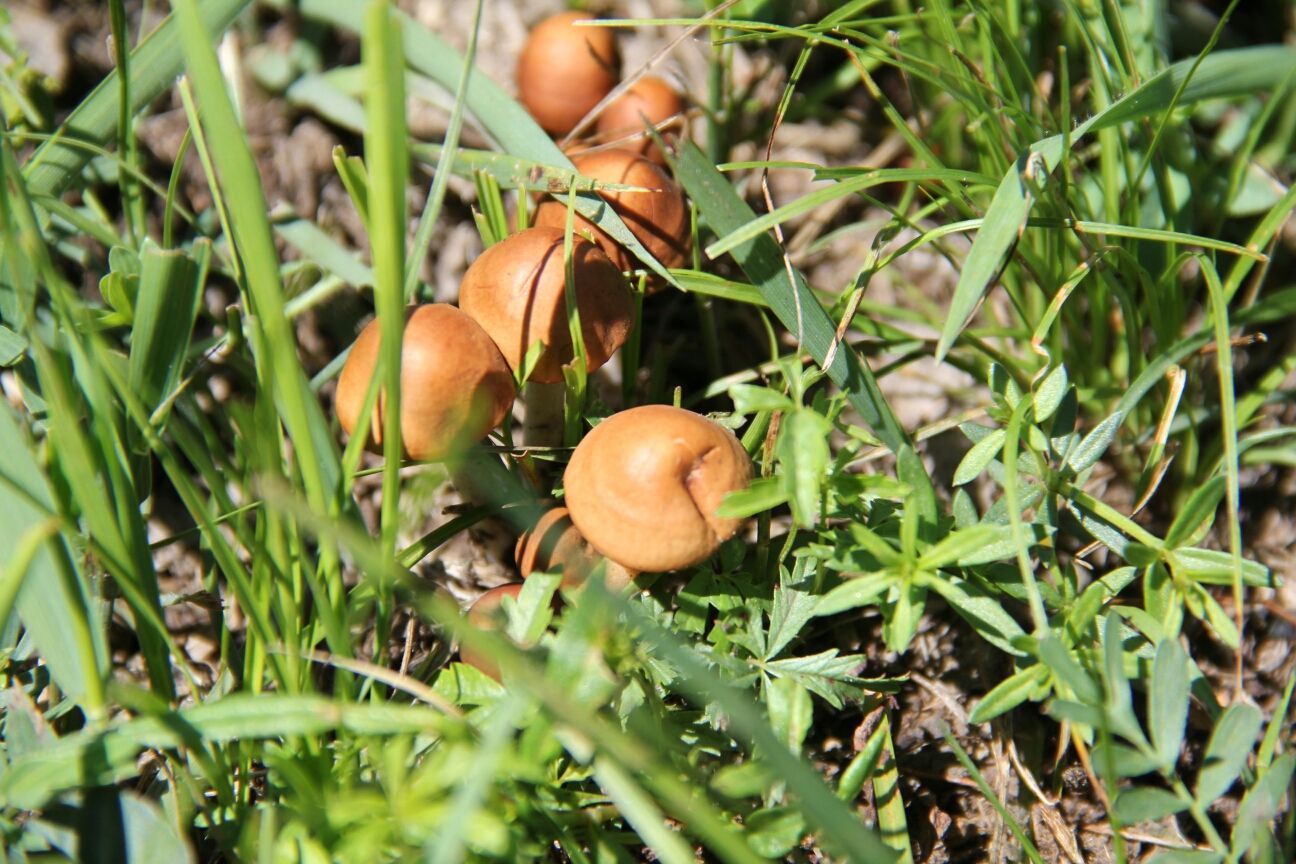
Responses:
[644,485]
[516,290]
[564,70]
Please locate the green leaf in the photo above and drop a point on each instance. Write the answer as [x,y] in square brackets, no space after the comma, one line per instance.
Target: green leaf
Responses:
[53,603]
[1009,693]
[1048,395]
[151,837]
[1092,446]
[1120,704]
[1168,701]
[803,455]
[984,611]
[787,294]
[854,593]
[1261,803]
[976,459]
[12,347]
[1067,671]
[1199,507]
[964,545]
[750,399]
[775,831]
[1225,73]
[95,757]
[1226,754]
[170,289]
[153,67]
[641,813]
[791,610]
[1215,567]
[1000,230]
[790,711]
[1147,804]
[762,495]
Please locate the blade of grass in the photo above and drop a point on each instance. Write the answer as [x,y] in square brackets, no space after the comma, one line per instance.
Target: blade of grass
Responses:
[154,65]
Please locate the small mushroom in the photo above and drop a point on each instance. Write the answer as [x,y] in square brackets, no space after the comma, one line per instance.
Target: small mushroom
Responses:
[658,217]
[565,70]
[644,485]
[554,544]
[516,290]
[649,100]
[455,385]
[486,614]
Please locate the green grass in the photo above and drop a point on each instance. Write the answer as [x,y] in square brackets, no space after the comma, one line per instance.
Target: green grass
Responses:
[1125,210]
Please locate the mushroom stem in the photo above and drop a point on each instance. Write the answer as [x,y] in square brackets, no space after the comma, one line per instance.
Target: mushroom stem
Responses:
[543,424]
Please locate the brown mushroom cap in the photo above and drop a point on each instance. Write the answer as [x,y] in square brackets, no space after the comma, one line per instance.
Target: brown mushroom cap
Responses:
[651,99]
[659,218]
[565,70]
[455,385]
[516,290]
[554,544]
[485,614]
[644,485]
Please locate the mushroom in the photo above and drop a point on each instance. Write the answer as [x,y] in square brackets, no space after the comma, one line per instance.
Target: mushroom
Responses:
[649,100]
[554,545]
[516,290]
[565,70]
[455,385]
[485,614]
[644,485]
[658,217]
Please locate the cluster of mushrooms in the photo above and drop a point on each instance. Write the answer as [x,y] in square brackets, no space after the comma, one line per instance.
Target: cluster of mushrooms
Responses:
[642,488]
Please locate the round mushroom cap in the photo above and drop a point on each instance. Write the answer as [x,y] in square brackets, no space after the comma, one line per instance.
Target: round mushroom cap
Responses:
[564,70]
[659,218]
[649,100]
[516,290]
[455,385]
[485,614]
[554,544]
[644,486]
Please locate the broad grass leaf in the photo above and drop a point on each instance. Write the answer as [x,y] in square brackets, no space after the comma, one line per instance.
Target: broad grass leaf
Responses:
[1009,693]
[976,459]
[53,603]
[1168,701]
[785,290]
[640,811]
[1147,804]
[12,347]
[166,307]
[1227,752]
[154,65]
[1225,73]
